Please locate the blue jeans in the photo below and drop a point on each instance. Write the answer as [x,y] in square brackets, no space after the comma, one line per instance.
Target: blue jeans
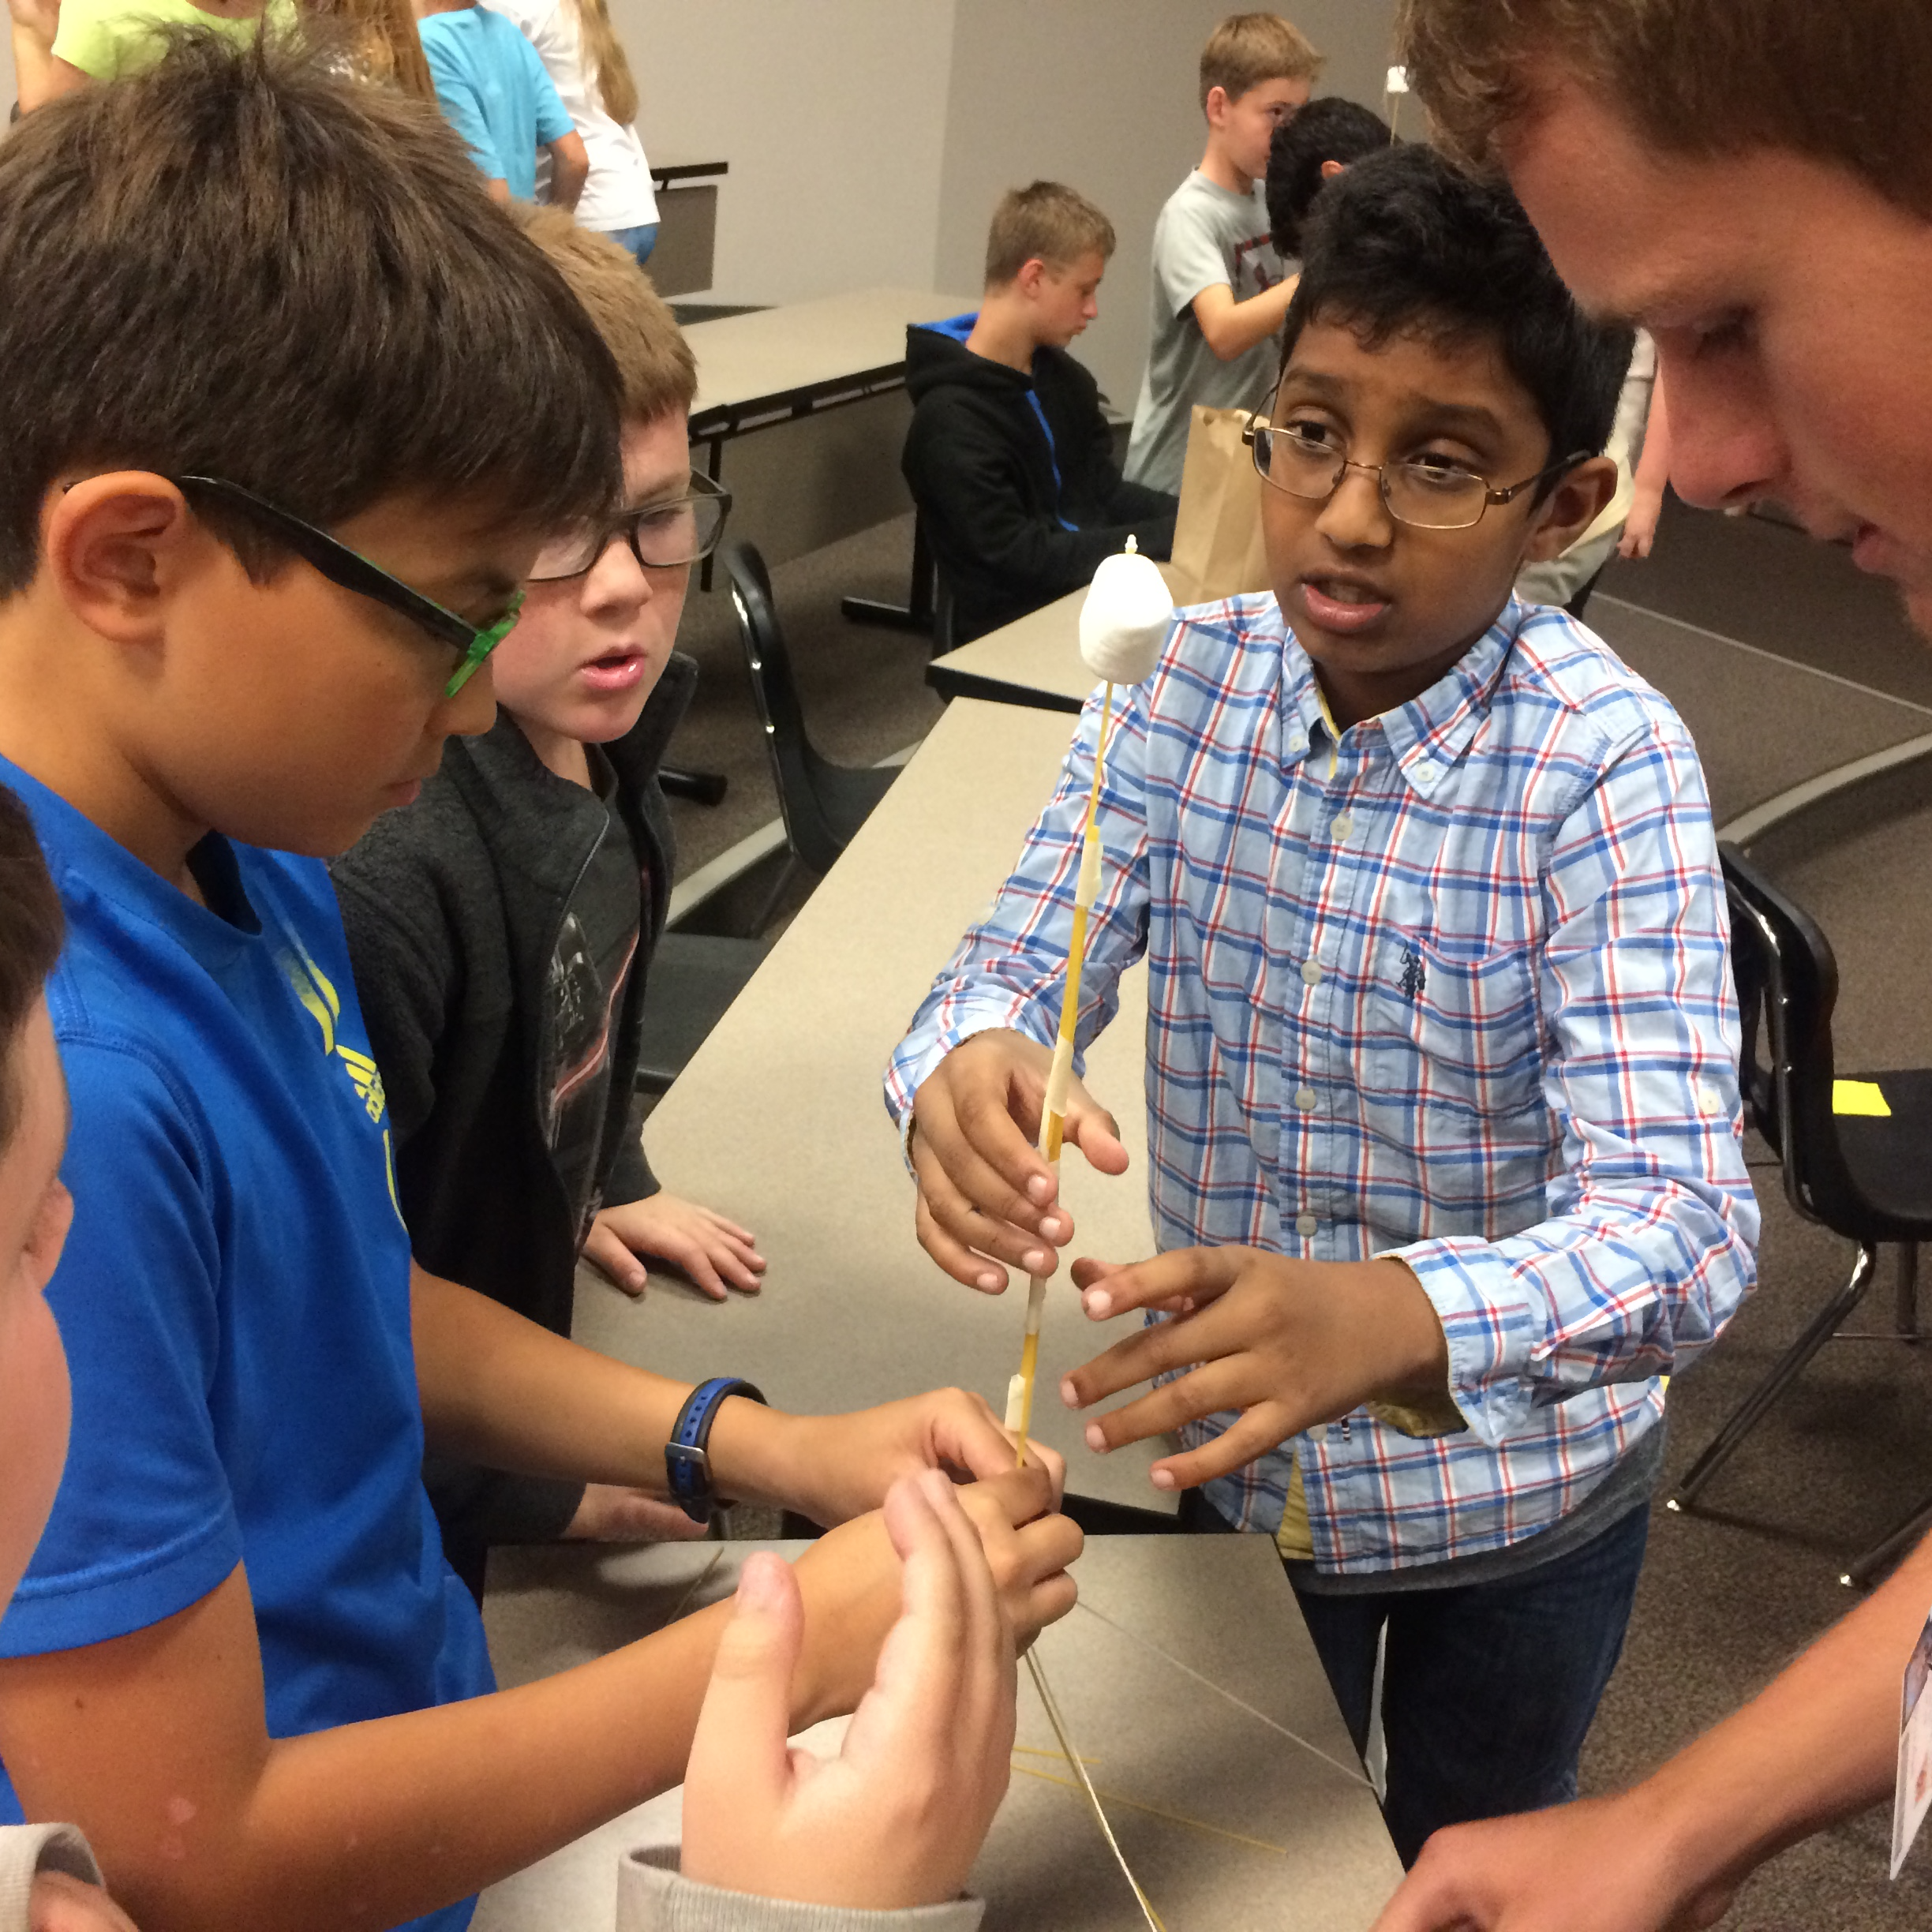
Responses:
[1488,1689]
[640,241]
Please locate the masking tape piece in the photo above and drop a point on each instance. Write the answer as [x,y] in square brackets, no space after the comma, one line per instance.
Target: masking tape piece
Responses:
[1864,1097]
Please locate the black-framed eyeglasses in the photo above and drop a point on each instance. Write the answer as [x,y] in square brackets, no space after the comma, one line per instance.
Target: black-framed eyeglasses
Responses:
[343,566]
[662,535]
[1426,492]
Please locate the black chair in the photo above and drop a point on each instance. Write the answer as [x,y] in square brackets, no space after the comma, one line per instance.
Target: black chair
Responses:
[1869,1179]
[693,979]
[920,612]
[823,803]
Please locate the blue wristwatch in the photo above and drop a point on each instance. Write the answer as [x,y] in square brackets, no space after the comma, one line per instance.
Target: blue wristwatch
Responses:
[687,1463]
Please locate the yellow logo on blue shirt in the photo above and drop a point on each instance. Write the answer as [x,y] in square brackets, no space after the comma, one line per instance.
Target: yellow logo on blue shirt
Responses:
[312,986]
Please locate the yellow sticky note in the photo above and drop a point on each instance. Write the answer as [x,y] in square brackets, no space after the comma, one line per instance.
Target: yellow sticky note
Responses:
[1859,1097]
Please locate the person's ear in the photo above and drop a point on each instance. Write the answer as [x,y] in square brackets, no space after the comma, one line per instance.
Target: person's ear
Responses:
[1578,500]
[113,547]
[1032,273]
[1216,106]
[1331,169]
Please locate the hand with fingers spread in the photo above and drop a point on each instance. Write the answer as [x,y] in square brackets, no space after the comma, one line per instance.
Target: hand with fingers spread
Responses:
[895,1819]
[849,1579]
[1288,1343]
[715,1256]
[841,1466]
[987,1200]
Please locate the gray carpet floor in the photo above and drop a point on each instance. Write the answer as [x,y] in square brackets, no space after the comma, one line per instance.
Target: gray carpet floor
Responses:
[1730,1593]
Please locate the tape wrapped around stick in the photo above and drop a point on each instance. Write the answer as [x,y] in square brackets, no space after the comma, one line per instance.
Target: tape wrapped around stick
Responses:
[1126,618]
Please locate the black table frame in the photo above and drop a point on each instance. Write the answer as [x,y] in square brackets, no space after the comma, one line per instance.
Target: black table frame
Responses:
[951,683]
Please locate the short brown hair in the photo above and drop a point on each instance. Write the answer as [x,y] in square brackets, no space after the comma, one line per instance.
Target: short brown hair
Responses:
[31,931]
[240,263]
[1045,220]
[1247,49]
[1845,83]
[654,362]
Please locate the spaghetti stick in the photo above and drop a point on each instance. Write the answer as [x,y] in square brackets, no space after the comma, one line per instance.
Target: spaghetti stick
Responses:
[1123,624]
[1060,1075]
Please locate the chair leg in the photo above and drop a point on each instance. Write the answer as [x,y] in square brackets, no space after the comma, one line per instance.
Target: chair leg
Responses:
[1818,1330]
[1907,1313]
[1880,1556]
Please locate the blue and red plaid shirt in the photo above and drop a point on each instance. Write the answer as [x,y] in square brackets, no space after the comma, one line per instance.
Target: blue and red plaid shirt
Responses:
[1455,987]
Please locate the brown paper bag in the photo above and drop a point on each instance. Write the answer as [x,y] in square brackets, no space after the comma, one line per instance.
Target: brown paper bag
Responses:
[1217,545]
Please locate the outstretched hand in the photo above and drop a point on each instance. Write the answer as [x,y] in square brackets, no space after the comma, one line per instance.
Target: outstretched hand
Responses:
[1288,1343]
[987,1199]
[895,1819]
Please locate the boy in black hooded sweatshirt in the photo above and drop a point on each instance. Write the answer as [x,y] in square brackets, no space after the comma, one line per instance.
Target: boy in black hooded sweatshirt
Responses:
[1008,457]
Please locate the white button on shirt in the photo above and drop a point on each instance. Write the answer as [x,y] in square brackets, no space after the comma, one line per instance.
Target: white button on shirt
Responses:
[1343,826]
[1305,1099]
[1304,1225]
[1311,975]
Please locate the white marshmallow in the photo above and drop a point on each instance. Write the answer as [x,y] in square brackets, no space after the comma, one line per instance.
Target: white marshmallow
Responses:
[1126,618]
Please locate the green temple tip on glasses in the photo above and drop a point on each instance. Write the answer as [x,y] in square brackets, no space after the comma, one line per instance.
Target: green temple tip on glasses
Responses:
[482,644]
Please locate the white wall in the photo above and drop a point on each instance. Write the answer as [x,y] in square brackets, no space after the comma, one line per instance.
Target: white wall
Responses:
[1103,95]
[831,114]
[869,139]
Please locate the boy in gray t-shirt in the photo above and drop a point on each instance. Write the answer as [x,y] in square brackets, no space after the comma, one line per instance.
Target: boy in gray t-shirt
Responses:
[1220,290]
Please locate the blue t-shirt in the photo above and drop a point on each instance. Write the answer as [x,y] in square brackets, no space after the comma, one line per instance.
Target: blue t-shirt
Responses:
[234,1295]
[493,90]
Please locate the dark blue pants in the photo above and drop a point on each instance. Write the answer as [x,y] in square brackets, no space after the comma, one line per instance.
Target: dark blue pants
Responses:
[1488,1688]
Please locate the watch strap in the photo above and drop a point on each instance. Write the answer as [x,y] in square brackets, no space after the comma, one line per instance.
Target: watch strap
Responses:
[687,1462]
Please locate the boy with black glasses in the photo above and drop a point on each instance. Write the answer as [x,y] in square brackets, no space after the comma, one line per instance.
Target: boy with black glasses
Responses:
[238,1660]
[502,925]
[1443,1123]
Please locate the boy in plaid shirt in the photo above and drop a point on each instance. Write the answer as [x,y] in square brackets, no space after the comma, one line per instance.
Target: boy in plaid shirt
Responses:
[1444,1125]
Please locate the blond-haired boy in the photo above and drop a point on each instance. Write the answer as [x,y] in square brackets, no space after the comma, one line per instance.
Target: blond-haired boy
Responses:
[1220,291]
[1008,455]
[502,926]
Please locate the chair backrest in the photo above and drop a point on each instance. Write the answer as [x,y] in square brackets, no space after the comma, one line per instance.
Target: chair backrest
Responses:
[795,764]
[1787,979]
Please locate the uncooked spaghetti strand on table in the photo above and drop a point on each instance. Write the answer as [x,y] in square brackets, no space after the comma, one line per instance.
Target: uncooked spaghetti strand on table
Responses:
[1052,1709]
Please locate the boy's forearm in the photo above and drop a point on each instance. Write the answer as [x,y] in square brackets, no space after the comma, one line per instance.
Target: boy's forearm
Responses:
[371,1823]
[1818,1744]
[33,66]
[1653,470]
[1233,327]
[446,1801]
[499,1390]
